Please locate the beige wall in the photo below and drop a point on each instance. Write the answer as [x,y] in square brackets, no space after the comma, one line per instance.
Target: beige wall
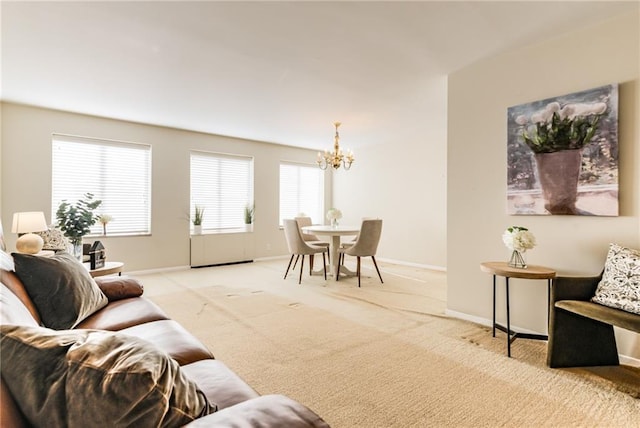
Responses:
[404,183]
[26,180]
[479,96]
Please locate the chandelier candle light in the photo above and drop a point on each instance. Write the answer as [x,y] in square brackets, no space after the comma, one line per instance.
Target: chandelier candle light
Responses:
[335,158]
[518,239]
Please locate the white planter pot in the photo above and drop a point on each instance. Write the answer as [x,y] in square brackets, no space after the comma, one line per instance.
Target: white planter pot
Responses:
[197,230]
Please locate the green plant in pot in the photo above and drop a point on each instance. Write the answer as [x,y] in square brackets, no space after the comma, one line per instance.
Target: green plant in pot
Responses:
[75,220]
[556,139]
[198,217]
[248,213]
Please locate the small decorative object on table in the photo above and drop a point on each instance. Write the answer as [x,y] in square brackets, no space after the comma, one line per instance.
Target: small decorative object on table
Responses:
[518,239]
[104,219]
[97,255]
[333,215]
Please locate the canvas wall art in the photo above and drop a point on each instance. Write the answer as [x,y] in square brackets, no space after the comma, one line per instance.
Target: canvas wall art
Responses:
[562,155]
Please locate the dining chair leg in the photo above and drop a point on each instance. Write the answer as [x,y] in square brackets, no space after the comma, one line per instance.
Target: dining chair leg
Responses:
[358,271]
[301,269]
[289,265]
[310,264]
[324,265]
[378,270]
[296,262]
[340,257]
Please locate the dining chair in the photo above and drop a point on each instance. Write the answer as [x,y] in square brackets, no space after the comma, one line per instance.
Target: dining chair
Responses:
[298,247]
[309,238]
[366,245]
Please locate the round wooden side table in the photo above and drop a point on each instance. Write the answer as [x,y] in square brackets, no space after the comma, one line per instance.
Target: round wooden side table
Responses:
[530,272]
[109,268]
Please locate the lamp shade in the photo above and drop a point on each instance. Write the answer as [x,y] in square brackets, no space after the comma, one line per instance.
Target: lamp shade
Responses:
[28,222]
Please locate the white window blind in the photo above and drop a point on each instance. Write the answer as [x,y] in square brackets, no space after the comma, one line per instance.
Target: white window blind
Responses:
[117,173]
[223,185]
[301,191]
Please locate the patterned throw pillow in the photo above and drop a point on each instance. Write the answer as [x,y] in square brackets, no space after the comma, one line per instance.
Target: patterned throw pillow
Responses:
[54,239]
[620,284]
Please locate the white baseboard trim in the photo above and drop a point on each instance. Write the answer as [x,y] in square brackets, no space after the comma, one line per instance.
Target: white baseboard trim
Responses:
[158,270]
[629,361]
[266,259]
[410,264]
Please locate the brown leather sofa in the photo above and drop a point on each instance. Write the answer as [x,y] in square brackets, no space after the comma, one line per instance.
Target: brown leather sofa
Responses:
[238,405]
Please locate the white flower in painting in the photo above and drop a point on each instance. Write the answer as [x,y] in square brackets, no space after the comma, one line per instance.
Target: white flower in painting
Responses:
[521,120]
[334,214]
[582,109]
[518,238]
[545,114]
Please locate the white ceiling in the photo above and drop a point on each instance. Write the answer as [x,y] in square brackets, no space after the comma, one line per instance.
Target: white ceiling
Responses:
[279,72]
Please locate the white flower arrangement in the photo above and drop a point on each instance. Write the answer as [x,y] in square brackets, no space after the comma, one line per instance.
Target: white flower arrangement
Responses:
[334,214]
[518,238]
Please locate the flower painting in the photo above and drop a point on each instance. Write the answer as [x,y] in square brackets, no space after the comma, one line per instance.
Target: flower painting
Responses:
[562,155]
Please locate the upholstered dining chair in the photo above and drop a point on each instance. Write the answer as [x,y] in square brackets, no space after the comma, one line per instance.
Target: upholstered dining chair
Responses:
[366,245]
[298,247]
[309,238]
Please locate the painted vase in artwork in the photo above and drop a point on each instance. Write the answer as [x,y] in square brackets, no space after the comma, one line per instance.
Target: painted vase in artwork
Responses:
[558,173]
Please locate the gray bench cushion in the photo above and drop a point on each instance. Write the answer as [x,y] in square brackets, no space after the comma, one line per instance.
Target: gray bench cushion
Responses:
[605,314]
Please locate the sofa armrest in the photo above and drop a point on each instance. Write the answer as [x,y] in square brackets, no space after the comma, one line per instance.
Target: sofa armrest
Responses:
[574,288]
[119,287]
[265,411]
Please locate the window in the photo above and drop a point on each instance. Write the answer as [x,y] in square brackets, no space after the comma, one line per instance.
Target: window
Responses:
[301,191]
[117,173]
[223,185]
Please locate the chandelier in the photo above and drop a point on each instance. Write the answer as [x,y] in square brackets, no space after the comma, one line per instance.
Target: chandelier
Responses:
[335,158]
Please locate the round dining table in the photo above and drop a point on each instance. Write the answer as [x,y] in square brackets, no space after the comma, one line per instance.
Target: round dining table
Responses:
[335,232]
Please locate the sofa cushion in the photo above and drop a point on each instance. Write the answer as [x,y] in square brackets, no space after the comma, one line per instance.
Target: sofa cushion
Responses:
[172,338]
[620,284]
[602,313]
[219,383]
[60,287]
[95,378]
[124,313]
[266,411]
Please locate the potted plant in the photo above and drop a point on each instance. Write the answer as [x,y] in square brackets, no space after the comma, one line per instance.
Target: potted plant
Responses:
[248,214]
[198,216]
[556,136]
[104,219]
[76,220]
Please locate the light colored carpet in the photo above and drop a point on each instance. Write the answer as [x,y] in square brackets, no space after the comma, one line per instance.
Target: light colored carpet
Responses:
[384,355]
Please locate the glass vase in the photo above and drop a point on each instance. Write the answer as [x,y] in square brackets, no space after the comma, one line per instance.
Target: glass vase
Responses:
[334,223]
[76,248]
[517,259]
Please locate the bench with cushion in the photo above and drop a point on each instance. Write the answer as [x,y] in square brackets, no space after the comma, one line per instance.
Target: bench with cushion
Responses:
[583,311]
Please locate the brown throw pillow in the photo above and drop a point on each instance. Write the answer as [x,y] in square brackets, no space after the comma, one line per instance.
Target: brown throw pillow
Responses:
[60,287]
[95,378]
